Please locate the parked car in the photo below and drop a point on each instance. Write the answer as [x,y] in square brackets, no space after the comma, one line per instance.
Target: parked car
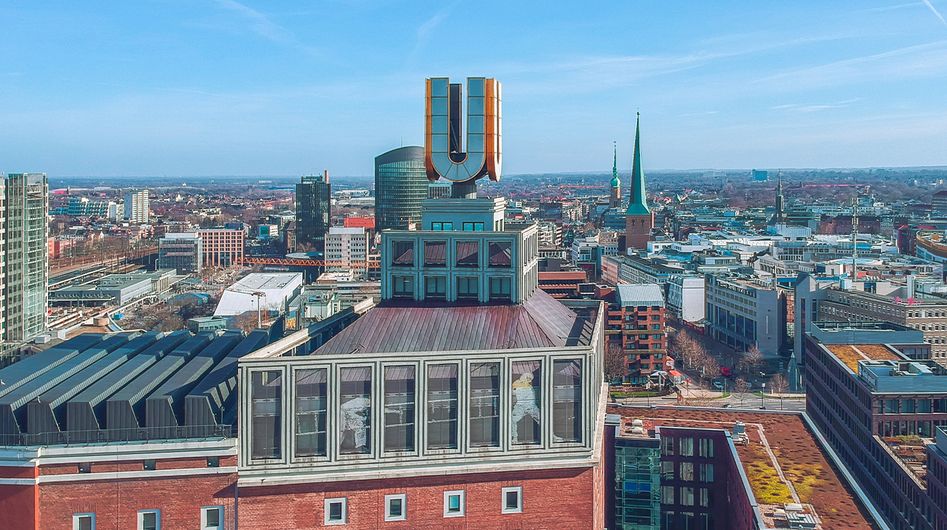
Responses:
[726,371]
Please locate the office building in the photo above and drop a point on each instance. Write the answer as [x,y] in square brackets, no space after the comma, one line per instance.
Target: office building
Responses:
[401,185]
[182,252]
[24,256]
[347,250]
[313,207]
[881,403]
[742,313]
[828,302]
[639,218]
[222,248]
[137,207]
[685,297]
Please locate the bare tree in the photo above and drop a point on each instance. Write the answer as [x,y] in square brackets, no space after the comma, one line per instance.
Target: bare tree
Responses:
[752,361]
[709,368]
[778,384]
[741,386]
[615,361]
[685,347]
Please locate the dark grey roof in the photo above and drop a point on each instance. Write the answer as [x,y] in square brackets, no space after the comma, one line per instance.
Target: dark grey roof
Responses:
[98,389]
[540,322]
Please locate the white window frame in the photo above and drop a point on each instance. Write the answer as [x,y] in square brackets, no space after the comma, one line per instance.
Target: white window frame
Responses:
[404,507]
[220,510]
[141,518]
[519,497]
[345,511]
[463,503]
[76,517]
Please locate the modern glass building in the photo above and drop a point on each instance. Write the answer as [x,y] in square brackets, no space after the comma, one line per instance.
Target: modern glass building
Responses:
[313,202]
[401,185]
[638,481]
[25,257]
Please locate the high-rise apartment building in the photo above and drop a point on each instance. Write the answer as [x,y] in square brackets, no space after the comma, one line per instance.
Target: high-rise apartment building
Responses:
[24,256]
[313,206]
[347,250]
[137,207]
[637,315]
[401,185]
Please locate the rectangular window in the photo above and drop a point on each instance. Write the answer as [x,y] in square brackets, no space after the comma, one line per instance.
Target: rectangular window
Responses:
[667,446]
[399,408]
[525,420]
[402,286]
[149,465]
[687,446]
[687,496]
[442,384]
[435,288]
[212,518]
[336,511]
[355,410]
[687,471]
[705,448]
[454,503]
[435,253]
[667,470]
[85,467]
[468,254]
[266,401]
[83,521]
[402,253]
[667,494]
[706,472]
[472,227]
[396,507]
[213,461]
[501,254]
[567,400]
[500,289]
[512,499]
[468,288]
[149,520]
[485,404]
[704,497]
[311,411]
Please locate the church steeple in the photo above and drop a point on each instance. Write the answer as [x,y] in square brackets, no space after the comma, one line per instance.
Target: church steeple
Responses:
[639,219]
[638,199]
[778,216]
[614,198]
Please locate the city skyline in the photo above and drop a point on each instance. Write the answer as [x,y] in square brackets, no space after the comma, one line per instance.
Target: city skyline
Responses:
[231,88]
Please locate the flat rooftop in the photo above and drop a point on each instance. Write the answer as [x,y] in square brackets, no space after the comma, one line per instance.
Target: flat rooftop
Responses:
[266,280]
[783,461]
[850,354]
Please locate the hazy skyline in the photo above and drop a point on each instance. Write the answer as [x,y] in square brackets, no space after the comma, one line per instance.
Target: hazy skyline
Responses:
[221,87]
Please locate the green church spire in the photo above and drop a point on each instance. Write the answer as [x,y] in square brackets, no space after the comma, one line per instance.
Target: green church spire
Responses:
[616,182]
[638,200]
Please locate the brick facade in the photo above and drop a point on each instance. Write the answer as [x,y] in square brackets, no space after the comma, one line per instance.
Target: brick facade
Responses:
[557,498]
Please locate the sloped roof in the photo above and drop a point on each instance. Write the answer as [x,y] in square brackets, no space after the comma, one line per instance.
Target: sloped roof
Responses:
[630,294]
[540,322]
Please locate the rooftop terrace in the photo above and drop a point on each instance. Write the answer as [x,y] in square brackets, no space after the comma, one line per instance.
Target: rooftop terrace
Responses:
[783,461]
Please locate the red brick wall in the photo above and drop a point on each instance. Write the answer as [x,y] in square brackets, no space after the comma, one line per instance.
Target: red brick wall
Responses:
[18,503]
[116,502]
[555,499]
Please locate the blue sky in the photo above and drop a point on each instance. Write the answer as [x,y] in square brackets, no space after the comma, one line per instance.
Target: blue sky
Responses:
[221,87]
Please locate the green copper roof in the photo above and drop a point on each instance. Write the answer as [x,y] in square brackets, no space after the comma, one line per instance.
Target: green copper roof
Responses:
[638,200]
[616,182]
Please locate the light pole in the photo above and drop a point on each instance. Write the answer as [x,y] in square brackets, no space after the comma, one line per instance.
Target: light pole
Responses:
[762,406]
